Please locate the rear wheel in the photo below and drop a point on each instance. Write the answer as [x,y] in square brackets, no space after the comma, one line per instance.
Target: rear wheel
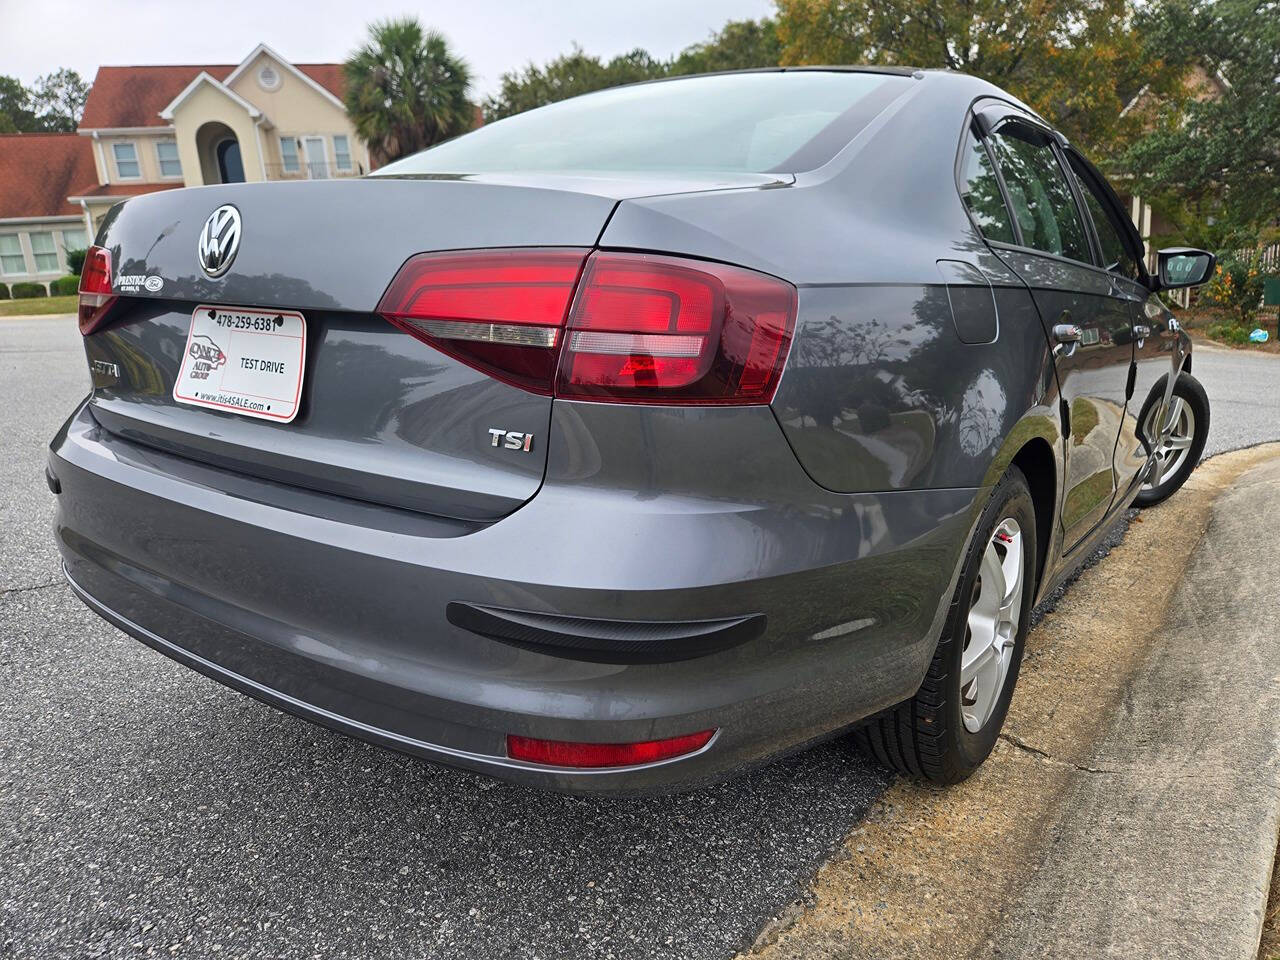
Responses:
[1177,450]
[949,727]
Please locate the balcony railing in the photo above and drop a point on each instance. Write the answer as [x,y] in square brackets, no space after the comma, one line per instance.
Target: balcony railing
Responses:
[303,170]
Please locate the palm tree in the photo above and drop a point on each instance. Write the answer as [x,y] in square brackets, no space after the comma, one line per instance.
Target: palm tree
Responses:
[406,90]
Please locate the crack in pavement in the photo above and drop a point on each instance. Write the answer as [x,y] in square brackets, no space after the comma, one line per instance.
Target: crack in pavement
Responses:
[38,586]
[1047,757]
[1125,770]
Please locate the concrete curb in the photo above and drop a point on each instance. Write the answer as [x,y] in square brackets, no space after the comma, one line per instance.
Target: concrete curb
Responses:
[1166,848]
[1131,808]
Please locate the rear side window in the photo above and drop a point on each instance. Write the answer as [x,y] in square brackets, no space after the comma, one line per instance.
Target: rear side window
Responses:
[748,122]
[1116,255]
[1039,193]
[980,191]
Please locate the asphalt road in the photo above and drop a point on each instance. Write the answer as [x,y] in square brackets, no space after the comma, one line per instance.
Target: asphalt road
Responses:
[1244,396]
[145,809]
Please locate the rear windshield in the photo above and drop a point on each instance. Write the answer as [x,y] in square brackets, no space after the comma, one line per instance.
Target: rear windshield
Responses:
[746,122]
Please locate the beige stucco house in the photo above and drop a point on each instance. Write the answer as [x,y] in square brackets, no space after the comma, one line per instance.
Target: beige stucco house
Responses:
[149,128]
[264,118]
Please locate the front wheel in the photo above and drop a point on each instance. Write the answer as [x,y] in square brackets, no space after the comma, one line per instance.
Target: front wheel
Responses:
[1176,450]
[949,727]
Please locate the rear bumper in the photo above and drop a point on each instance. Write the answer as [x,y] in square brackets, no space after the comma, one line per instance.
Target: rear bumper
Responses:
[336,610]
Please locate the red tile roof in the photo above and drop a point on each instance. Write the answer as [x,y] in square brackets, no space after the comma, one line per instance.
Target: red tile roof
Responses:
[38,171]
[122,190]
[134,96]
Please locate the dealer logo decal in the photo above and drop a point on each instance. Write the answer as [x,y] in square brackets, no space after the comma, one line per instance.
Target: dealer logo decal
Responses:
[208,356]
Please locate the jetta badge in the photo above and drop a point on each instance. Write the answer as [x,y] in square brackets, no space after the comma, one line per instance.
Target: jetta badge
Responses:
[219,240]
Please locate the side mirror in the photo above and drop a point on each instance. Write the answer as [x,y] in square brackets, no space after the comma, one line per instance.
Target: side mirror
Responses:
[1184,267]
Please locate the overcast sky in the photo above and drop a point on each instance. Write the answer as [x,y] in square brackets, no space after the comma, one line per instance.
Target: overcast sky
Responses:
[37,36]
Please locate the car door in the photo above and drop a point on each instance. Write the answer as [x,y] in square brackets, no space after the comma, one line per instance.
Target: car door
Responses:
[1087,323]
[1154,334]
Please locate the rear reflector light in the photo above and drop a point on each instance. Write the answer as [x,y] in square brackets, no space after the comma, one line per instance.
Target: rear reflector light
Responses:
[96,297]
[501,311]
[567,753]
[642,328]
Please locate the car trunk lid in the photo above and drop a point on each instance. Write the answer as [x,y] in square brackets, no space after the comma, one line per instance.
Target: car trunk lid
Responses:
[381,417]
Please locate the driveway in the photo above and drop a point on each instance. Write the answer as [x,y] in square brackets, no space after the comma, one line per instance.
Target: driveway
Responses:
[144,808]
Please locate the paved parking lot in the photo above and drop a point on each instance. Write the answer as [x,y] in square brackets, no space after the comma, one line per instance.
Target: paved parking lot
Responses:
[144,808]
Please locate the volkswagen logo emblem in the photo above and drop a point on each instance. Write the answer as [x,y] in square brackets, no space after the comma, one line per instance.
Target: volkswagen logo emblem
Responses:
[219,240]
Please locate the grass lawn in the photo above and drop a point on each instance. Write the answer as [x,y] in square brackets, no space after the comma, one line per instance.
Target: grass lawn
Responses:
[17,308]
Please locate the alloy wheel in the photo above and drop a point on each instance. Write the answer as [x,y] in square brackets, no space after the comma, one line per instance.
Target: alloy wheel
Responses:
[995,610]
[1173,444]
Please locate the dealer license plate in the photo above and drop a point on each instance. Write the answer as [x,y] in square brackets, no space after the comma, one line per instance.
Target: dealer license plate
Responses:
[244,360]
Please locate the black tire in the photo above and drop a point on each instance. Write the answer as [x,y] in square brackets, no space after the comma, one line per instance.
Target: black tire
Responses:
[1188,389]
[925,736]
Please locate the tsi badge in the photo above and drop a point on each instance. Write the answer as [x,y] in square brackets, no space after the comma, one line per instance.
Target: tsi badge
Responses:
[510,439]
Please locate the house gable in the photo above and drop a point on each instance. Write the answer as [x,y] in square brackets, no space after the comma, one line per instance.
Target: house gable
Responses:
[290,100]
[203,79]
[249,75]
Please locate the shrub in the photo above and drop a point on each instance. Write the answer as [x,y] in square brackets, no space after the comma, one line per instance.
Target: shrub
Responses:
[1228,331]
[1237,286]
[64,286]
[4,292]
[23,291]
[75,261]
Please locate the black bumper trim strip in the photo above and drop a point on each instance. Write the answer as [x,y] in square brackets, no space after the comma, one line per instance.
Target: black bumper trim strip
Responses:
[606,641]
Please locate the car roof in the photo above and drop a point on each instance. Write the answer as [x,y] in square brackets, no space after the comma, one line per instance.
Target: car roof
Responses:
[846,68]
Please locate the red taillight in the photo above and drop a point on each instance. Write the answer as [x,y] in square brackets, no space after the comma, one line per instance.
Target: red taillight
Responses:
[501,311]
[657,329]
[567,753]
[95,289]
[643,328]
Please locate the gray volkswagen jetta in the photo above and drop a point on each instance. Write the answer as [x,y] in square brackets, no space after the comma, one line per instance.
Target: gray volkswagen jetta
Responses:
[623,443]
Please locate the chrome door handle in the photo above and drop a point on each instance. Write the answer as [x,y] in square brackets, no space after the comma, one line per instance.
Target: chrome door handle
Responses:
[1068,336]
[1141,331]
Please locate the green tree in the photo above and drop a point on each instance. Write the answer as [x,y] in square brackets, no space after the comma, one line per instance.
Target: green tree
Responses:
[53,104]
[567,76]
[16,115]
[1213,164]
[75,261]
[406,90]
[739,45]
[58,99]
[1077,63]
